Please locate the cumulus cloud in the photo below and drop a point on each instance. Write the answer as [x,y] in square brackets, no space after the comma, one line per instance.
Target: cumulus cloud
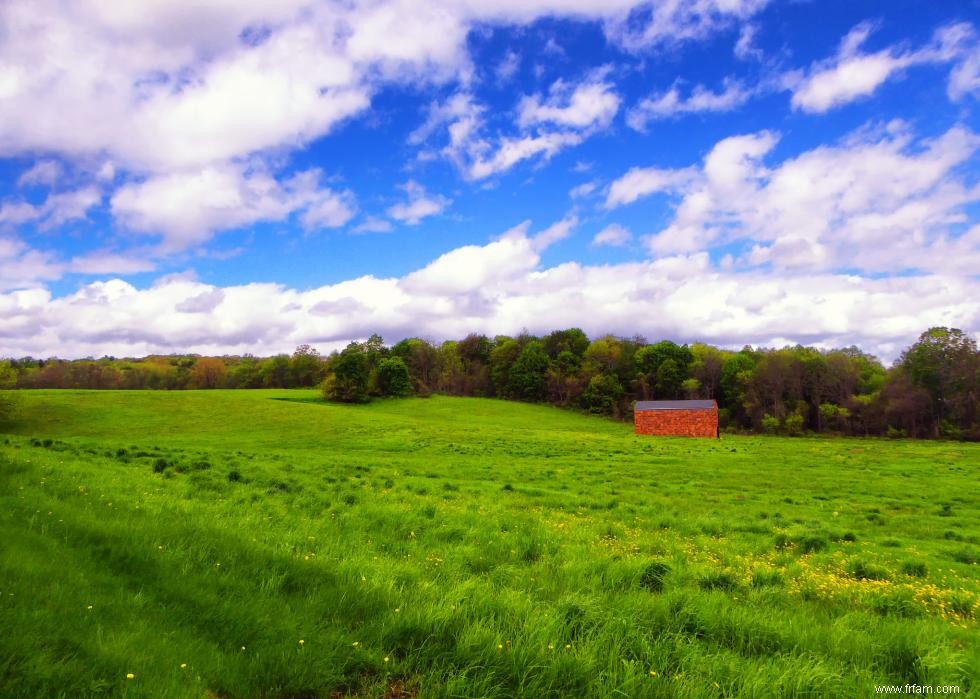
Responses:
[43,172]
[492,288]
[419,205]
[185,209]
[57,208]
[591,103]
[184,85]
[879,202]
[640,182]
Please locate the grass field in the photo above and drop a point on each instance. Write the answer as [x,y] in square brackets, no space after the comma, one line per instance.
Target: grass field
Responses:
[265,544]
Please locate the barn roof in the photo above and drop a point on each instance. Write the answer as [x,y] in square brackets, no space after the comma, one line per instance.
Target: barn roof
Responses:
[674,405]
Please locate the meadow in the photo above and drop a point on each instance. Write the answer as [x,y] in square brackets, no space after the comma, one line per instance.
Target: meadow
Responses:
[268,544]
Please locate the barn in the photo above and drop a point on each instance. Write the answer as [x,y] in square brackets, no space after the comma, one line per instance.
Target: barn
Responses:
[676,418]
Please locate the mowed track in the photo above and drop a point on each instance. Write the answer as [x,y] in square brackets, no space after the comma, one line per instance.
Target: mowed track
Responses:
[264,543]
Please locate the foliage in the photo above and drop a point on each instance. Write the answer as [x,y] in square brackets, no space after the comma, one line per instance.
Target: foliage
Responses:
[393,377]
[8,398]
[932,391]
[348,380]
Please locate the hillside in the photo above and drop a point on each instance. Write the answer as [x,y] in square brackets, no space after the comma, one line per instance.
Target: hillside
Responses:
[265,543]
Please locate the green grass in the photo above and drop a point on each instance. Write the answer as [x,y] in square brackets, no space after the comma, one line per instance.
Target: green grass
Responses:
[265,544]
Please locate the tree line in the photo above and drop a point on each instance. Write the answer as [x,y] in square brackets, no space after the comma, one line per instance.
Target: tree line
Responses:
[930,391]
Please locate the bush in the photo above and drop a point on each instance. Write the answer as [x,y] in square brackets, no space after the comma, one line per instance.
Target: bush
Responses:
[770,424]
[794,425]
[349,381]
[393,378]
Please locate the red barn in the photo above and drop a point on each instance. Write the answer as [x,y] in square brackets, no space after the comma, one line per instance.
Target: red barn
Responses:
[676,418]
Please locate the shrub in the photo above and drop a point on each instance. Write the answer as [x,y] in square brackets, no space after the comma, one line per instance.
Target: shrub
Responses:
[794,425]
[393,378]
[770,424]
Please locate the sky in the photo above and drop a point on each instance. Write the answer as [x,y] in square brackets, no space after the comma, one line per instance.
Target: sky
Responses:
[239,176]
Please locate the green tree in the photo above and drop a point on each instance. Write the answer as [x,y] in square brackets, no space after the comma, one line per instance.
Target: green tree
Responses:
[944,363]
[8,399]
[348,382]
[502,358]
[306,366]
[528,375]
[602,395]
[393,378]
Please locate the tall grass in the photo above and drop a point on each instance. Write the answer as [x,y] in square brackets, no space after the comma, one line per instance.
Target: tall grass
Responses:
[263,544]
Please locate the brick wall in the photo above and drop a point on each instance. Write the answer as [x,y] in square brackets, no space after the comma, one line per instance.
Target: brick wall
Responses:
[678,423]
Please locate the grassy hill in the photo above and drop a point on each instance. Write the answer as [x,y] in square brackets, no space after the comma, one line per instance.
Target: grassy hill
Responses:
[265,544]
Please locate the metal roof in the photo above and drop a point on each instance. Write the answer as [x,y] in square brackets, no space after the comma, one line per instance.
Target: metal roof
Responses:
[674,405]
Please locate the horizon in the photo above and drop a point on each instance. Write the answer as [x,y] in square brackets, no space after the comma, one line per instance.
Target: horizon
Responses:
[227,179]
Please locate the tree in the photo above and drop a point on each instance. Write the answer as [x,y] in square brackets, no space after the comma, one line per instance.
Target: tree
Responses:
[944,363]
[421,359]
[305,367]
[393,379]
[528,374]
[275,372]
[662,368]
[8,399]
[602,395]
[348,382]
[208,372]
[571,340]
[502,358]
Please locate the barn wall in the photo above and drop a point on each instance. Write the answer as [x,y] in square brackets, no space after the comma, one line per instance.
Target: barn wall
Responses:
[679,423]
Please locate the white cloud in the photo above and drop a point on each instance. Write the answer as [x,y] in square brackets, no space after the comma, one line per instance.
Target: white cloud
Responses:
[591,103]
[181,85]
[744,48]
[613,235]
[187,208]
[852,74]
[511,151]
[104,262]
[583,190]
[419,205]
[508,66]
[471,152]
[878,202]
[640,182]
[57,208]
[373,224]
[653,24]
[499,287]
[43,172]
[670,104]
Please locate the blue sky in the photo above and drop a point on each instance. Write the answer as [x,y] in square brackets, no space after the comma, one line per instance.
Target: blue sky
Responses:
[229,177]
